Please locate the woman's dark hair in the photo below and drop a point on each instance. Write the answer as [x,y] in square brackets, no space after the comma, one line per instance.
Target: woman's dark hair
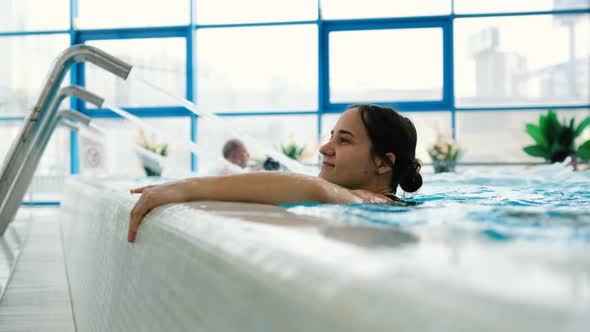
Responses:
[389,131]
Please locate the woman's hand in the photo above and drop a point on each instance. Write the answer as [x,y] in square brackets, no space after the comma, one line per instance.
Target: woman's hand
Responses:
[152,197]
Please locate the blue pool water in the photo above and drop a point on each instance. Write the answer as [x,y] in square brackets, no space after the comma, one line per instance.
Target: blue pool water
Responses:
[546,203]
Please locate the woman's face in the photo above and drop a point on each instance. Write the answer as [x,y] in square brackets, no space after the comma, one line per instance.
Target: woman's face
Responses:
[347,157]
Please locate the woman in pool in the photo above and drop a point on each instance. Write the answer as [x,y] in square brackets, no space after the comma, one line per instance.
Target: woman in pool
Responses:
[371,152]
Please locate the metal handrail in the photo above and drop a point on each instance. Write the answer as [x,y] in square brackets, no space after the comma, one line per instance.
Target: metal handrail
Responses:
[23,157]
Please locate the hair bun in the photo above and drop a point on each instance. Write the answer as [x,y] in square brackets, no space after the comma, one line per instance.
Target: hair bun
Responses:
[411,181]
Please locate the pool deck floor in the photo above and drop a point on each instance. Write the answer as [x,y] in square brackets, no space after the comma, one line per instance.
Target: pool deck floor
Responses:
[37,297]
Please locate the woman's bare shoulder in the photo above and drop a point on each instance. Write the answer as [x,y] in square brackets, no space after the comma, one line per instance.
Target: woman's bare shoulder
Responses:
[371,197]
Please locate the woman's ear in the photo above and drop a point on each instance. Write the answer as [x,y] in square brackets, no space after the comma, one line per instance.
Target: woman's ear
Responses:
[383,166]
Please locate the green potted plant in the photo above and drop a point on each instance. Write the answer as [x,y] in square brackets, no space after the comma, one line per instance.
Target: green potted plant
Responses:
[150,166]
[444,154]
[292,150]
[555,141]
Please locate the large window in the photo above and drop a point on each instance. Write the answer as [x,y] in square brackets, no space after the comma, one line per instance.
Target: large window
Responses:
[239,11]
[157,60]
[522,60]
[34,15]
[343,9]
[10,130]
[504,6]
[386,65]
[94,14]
[25,63]
[282,71]
[257,68]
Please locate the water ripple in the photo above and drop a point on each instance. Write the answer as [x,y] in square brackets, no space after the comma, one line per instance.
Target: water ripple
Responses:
[547,203]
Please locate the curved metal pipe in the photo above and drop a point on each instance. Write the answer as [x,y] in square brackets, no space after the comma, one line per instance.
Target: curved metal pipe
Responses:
[70,125]
[38,150]
[13,183]
[40,141]
[75,91]
[68,113]
[63,115]
[52,118]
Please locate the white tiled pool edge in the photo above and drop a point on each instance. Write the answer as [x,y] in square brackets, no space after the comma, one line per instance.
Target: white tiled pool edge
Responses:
[192,270]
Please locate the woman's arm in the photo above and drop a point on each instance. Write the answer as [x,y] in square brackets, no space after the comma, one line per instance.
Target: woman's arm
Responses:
[264,187]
